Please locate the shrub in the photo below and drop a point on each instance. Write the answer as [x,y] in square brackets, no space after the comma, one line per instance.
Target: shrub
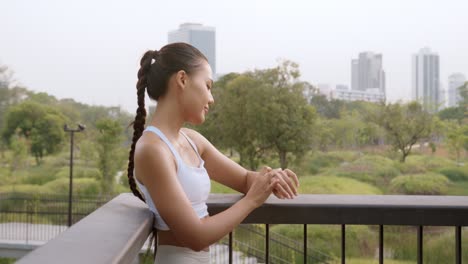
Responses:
[431,183]
[79,172]
[81,186]
[335,185]
[377,170]
[324,160]
[326,238]
[24,188]
[430,163]
[39,174]
[439,249]
[455,173]
[315,162]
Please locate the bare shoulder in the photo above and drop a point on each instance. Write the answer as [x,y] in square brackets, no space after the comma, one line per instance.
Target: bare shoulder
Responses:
[199,140]
[148,144]
[150,150]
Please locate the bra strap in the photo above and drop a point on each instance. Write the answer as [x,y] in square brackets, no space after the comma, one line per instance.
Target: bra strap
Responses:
[191,143]
[164,138]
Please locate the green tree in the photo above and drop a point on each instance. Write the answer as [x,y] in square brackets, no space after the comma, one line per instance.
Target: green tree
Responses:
[284,118]
[41,125]
[9,95]
[455,138]
[19,148]
[452,113]
[405,125]
[285,122]
[110,160]
[213,124]
[327,108]
[464,102]
[237,119]
[261,112]
[88,153]
[323,134]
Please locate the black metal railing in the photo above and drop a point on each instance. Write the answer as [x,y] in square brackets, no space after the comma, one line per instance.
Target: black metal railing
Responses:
[304,210]
[285,247]
[346,210]
[41,217]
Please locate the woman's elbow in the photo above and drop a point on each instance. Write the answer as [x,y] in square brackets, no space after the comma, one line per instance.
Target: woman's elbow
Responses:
[196,244]
[198,247]
[193,241]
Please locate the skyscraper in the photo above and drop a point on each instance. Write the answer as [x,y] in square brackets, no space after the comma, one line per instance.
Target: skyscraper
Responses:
[199,36]
[455,81]
[425,88]
[367,72]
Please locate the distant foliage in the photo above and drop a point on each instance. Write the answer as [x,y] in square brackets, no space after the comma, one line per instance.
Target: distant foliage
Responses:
[423,184]
[326,184]
[455,173]
[376,170]
[41,125]
[405,125]
[261,114]
[110,158]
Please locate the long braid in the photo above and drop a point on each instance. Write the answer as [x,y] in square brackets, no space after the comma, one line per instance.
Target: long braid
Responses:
[153,78]
[139,123]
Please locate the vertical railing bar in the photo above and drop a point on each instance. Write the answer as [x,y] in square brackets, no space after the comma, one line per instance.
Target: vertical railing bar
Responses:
[420,244]
[230,248]
[267,243]
[458,242]
[381,247]
[305,243]
[343,244]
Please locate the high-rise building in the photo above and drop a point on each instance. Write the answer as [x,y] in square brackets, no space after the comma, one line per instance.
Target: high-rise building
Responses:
[426,86]
[367,72]
[455,81]
[341,87]
[199,36]
[368,95]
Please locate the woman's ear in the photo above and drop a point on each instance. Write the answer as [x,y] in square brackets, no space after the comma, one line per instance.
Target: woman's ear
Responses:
[181,79]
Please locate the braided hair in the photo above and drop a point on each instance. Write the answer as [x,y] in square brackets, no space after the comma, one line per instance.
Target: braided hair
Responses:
[154,77]
[156,67]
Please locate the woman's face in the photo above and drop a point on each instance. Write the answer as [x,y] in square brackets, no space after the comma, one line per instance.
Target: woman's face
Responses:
[197,96]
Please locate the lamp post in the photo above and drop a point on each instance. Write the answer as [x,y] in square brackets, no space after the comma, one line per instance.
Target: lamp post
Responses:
[70,190]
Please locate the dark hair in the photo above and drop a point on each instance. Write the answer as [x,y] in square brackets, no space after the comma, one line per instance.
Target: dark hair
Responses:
[154,76]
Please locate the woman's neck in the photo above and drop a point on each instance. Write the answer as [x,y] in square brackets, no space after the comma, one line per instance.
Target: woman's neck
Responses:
[168,118]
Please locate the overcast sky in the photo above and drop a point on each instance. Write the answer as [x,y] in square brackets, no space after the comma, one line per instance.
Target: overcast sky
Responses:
[89,50]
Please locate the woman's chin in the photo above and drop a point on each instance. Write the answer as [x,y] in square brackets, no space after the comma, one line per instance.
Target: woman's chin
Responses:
[197,121]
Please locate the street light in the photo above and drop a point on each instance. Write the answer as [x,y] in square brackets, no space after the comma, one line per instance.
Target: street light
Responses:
[70,191]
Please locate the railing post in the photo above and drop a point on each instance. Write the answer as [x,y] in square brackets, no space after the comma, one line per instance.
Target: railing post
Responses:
[305,243]
[420,245]
[381,247]
[230,248]
[343,244]
[267,243]
[458,241]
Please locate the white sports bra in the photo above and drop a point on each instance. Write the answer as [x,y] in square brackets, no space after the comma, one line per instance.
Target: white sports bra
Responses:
[194,181]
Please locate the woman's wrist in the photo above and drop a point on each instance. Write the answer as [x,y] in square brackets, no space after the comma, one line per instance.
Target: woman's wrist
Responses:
[251,175]
[250,178]
[248,203]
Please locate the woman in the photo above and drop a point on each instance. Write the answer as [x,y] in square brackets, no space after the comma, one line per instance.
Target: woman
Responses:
[173,165]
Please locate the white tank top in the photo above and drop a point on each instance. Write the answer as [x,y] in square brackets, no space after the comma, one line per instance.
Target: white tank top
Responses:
[194,181]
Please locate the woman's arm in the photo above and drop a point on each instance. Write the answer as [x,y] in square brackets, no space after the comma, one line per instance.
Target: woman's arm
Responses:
[229,173]
[155,167]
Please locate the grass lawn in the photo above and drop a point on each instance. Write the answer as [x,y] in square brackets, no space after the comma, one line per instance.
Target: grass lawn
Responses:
[458,188]
[373,261]
[319,185]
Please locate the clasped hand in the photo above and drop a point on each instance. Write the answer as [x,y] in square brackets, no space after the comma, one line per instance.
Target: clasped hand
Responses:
[287,182]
